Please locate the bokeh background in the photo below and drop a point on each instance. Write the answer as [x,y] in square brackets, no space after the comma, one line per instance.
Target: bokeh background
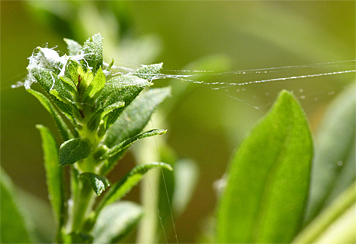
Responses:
[204,125]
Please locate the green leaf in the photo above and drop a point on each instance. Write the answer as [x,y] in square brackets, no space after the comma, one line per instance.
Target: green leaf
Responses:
[93,53]
[61,125]
[95,86]
[334,165]
[133,119]
[125,144]
[54,175]
[99,183]
[126,183]
[73,47]
[148,71]
[115,222]
[73,150]
[336,224]
[120,88]
[48,82]
[268,180]
[13,226]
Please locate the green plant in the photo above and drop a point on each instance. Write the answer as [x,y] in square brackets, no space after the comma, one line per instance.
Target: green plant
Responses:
[104,116]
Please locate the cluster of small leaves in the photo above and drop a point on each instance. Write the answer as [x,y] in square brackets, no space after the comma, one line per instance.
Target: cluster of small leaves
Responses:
[105,115]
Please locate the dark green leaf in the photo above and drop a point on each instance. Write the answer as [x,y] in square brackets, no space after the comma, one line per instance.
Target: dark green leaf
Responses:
[79,238]
[123,186]
[93,53]
[334,165]
[54,174]
[115,222]
[61,125]
[268,180]
[125,144]
[133,119]
[73,150]
[99,183]
[13,226]
[73,47]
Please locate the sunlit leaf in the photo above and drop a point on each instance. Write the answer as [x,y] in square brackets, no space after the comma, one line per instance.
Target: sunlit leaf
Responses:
[73,46]
[268,180]
[93,53]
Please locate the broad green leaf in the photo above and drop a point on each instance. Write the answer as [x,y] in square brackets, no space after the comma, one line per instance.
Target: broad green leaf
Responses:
[334,165]
[73,47]
[73,150]
[54,174]
[61,125]
[335,224]
[125,144]
[100,114]
[71,71]
[148,71]
[133,119]
[126,183]
[99,183]
[268,180]
[13,226]
[95,86]
[93,53]
[115,222]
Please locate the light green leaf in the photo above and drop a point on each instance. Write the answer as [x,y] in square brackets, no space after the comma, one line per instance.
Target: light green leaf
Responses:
[148,71]
[126,183]
[73,150]
[54,175]
[13,227]
[335,224]
[268,180]
[93,53]
[61,125]
[125,144]
[133,119]
[99,183]
[73,47]
[115,222]
[334,165]
[95,86]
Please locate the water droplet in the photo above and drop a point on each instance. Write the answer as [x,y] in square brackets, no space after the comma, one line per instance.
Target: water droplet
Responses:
[302,97]
[300,90]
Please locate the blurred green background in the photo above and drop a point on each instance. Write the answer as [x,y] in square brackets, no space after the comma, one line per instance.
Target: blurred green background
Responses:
[204,125]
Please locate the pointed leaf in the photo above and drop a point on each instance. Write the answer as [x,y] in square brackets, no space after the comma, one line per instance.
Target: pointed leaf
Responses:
[95,86]
[48,82]
[334,165]
[268,180]
[125,144]
[99,183]
[61,125]
[73,47]
[123,186]
[13,227]
[115,222]
[133,119]
[93,53]
[73,150]
[54,174]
